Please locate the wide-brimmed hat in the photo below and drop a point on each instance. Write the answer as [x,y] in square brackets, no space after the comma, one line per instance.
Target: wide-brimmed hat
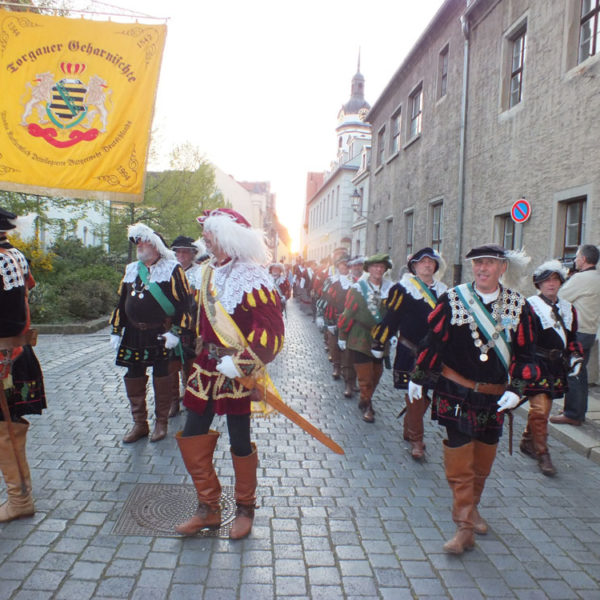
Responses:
[377,258]
[426,252]
[356,260]
[344,258]
[140,232]
[547,269]
[7,220]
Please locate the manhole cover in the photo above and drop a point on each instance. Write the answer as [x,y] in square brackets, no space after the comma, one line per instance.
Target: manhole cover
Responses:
[154,509]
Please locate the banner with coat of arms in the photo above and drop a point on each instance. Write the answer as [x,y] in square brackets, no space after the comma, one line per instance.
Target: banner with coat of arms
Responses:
[76,104]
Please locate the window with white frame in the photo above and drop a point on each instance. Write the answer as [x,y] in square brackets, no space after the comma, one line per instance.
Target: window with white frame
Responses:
[436,226]
[443,72]
[516,68]
[409,219]
[574,232]
[589,28]
[395,127]
[416,111]
[505,231]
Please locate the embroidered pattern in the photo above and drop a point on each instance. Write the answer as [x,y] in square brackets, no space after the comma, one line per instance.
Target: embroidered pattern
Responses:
[12,276]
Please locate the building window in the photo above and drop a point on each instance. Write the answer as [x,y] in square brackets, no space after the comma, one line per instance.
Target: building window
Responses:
[389,234]
[395,132]
[380,146]
[505,231]
[588,28]
[409,219]
[516,69]
[416,111]
[443,72]
[357,247]
[436,226]
[337,202]
[574,226]
[376,237]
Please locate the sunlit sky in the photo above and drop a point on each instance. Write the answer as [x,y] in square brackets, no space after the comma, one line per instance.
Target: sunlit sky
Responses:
[257,85]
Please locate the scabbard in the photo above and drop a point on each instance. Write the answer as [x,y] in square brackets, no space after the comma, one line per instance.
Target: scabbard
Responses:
[279,405]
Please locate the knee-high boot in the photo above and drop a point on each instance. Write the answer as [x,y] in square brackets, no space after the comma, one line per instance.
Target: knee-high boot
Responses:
[460,475]
[348,374]
[245,493]
[197,453]
[20,502]
[537,421]
[335,353]
[174,369]
[413,425]
[484,456]
[136,392]
[163,394]
[364,372]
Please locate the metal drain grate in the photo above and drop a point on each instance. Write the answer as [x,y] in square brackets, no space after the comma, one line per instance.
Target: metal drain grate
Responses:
[154,509]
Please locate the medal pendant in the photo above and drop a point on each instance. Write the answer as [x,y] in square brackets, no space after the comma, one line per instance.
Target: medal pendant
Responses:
[133,293]
[483,357]
[141,295]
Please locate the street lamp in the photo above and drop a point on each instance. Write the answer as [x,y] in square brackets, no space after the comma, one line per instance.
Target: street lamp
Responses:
[356,200]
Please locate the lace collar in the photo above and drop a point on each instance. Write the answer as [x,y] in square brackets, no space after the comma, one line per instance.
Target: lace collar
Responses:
[406,281]
[235,279]
[160,271]
[544,311]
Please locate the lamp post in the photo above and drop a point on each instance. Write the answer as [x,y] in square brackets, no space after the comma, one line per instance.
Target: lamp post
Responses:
[356,201]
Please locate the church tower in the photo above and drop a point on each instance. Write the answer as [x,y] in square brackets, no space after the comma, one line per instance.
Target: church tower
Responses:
[351,116]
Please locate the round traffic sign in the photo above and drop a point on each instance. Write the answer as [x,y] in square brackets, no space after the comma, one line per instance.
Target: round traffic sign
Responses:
[520,211]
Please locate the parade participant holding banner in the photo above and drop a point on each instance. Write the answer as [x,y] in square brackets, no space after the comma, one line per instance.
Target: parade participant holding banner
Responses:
[153,310]
[478,357]
[21,380]
[363,309]
[187,252]
[408,305]
[558,355]
[240,329]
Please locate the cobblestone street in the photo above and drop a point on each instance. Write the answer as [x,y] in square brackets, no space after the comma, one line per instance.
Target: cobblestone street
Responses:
[369,524]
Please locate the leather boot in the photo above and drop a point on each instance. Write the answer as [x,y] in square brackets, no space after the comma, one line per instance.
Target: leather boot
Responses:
[537,419]
[526,445]
[197,453]
[163,390]
[20,502]
[460,475]
[174,367]
[483,459]
[136,392]
[413,426]
[245,493]
[348,391]
[348,374]
[364,372]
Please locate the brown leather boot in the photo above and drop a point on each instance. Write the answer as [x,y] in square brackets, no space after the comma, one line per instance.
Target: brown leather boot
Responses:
[174,367]
[348,391]
[460,475]
[413,426]
[136,392]
[546,466]
[537,420]
[526,445]
[197,453]
[163,389]
[245,493]
[20,501]
[483,459]
[348,374]
[364,373]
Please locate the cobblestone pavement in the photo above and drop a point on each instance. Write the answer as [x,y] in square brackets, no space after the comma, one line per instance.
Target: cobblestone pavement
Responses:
[369,524]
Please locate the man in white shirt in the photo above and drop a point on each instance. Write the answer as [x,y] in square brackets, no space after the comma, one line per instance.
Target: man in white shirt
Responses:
[583,291]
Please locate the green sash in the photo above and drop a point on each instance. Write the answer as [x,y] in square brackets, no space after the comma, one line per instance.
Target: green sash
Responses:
[155,290]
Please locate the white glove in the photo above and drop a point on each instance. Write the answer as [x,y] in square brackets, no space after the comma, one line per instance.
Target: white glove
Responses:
[342,345]
[171,340]
[115,341]
[228,368]
[508,401]
[331,329]
[575,363]
[393,341]
[415,391]
[377,353]
[320,323]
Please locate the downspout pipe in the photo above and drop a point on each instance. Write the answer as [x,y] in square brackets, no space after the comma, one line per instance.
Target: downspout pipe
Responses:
[457,268]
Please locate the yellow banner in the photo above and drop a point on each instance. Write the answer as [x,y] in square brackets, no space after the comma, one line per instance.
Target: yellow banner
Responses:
[76,104]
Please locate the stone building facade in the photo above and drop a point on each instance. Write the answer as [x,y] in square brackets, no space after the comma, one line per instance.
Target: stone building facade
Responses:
[498,100]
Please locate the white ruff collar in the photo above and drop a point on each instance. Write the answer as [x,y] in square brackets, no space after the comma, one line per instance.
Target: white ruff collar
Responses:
[160,271]
[13,277]
[544,311]
[235,279]
[407,282]
[194,276]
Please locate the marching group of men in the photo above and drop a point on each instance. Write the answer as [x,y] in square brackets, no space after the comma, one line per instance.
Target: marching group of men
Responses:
[208,315]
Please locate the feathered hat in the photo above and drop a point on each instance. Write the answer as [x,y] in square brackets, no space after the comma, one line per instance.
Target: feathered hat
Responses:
[140,232]
[440,268]
[516,261]
[7,220]
[545,270]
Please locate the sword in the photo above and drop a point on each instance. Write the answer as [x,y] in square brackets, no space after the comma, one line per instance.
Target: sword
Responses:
[278,404]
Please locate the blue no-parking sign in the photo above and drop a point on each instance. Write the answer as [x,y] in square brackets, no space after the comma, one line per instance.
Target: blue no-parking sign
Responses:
[520,211]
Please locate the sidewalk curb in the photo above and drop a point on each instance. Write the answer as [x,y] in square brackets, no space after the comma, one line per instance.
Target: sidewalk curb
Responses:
[72,328]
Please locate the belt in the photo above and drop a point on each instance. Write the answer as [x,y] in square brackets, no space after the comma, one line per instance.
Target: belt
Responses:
[146,326]
[408,344]
[215,351]
[554,354]
[26,339]
[495,389]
